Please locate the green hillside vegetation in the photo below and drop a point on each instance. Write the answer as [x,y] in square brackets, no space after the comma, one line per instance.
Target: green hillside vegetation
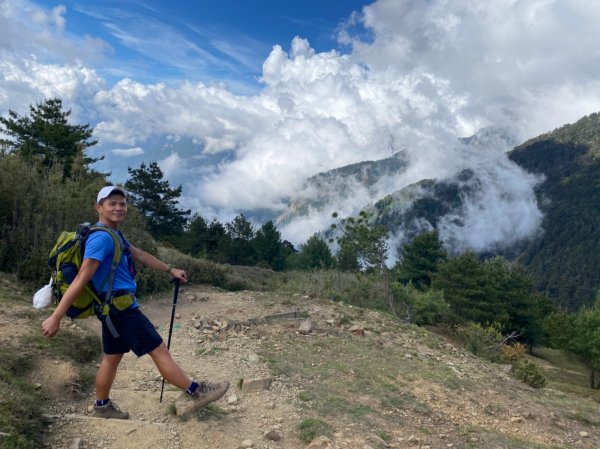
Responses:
[564,260]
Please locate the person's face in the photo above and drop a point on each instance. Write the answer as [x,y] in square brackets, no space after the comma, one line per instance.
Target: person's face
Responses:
[112,209]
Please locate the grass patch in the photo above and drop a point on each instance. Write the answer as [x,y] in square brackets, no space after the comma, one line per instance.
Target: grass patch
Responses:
[405,401]
[30,314]
[172,409]
[363,290]
[311,428]
[494,409]
[305,396]
[494,438]
[586,417]
[349,377]
[67,345]
[20,402]
[211,411]
[386,437]
[336,405]
[564,371]
[84,350]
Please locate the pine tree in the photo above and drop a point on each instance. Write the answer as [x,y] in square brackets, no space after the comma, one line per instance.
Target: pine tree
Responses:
[47,137]
[362,245]
[419,258]
[268,246]
[462,279]
[315,254]
[217,242]
[586,343]
[239,249]
[154,198]
[194,240]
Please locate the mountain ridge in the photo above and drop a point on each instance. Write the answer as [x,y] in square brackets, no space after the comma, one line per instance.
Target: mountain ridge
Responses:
[565,164]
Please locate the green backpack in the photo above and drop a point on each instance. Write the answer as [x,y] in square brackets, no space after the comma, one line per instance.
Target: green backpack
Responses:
[65,260]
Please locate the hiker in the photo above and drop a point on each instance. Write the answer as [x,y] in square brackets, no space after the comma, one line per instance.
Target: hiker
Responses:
[128,329]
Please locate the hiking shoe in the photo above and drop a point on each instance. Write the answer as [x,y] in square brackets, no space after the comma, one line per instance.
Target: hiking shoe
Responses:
[109,411]
[204,395]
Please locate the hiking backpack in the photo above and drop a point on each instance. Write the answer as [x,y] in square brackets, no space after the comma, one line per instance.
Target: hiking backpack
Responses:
[65,260]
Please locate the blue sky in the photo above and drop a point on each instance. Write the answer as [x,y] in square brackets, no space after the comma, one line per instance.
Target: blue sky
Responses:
[241,102]
[224,41]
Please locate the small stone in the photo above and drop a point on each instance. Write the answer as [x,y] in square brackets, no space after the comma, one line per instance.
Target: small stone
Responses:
[413,439]
[246,444]
[233,399]
[321,442]
[305,327]
[77,443]
[583,434]
[273,434]
[258,384]
[516,419]
[358,330]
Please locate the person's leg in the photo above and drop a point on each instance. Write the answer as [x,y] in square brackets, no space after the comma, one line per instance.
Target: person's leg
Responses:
[106,375]
[168,368]
[104,407]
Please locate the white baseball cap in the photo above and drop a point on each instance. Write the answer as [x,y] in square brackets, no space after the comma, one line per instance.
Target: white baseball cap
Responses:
[106,191]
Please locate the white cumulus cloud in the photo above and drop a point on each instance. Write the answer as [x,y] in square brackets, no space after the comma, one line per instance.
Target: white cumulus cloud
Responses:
[415,77]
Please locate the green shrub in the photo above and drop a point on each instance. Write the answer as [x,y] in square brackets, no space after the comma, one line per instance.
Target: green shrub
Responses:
[424,308]
[528,373]
[482,341]
[35,206]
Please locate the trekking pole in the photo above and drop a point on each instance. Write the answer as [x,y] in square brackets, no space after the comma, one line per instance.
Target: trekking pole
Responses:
[176,281]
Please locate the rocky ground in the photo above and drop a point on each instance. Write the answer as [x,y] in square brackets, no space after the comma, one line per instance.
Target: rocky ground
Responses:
[451,399]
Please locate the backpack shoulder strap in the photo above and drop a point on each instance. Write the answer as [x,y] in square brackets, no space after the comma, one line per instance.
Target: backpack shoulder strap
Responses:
[108,282]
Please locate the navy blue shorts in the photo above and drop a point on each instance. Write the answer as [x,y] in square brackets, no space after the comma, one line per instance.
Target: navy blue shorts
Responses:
[136,333]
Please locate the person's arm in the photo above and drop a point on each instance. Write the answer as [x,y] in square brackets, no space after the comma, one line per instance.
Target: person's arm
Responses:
[150,261]
[52,324]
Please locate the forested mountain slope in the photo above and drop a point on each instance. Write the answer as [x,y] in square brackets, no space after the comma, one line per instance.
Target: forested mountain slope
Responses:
[565,259]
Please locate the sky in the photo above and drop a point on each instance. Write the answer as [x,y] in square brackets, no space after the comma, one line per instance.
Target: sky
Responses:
[241,101]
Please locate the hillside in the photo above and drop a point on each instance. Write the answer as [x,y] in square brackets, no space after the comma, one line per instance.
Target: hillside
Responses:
[328,190]
[565,259]
[358,378]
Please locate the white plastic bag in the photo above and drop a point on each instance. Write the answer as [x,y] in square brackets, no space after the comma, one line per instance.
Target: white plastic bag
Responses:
[43,297]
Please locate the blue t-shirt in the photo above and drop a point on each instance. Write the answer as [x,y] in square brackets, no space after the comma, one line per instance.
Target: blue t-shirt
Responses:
[100,247]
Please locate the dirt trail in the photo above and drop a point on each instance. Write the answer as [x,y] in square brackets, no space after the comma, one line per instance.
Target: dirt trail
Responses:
[431,395]
[239,418]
